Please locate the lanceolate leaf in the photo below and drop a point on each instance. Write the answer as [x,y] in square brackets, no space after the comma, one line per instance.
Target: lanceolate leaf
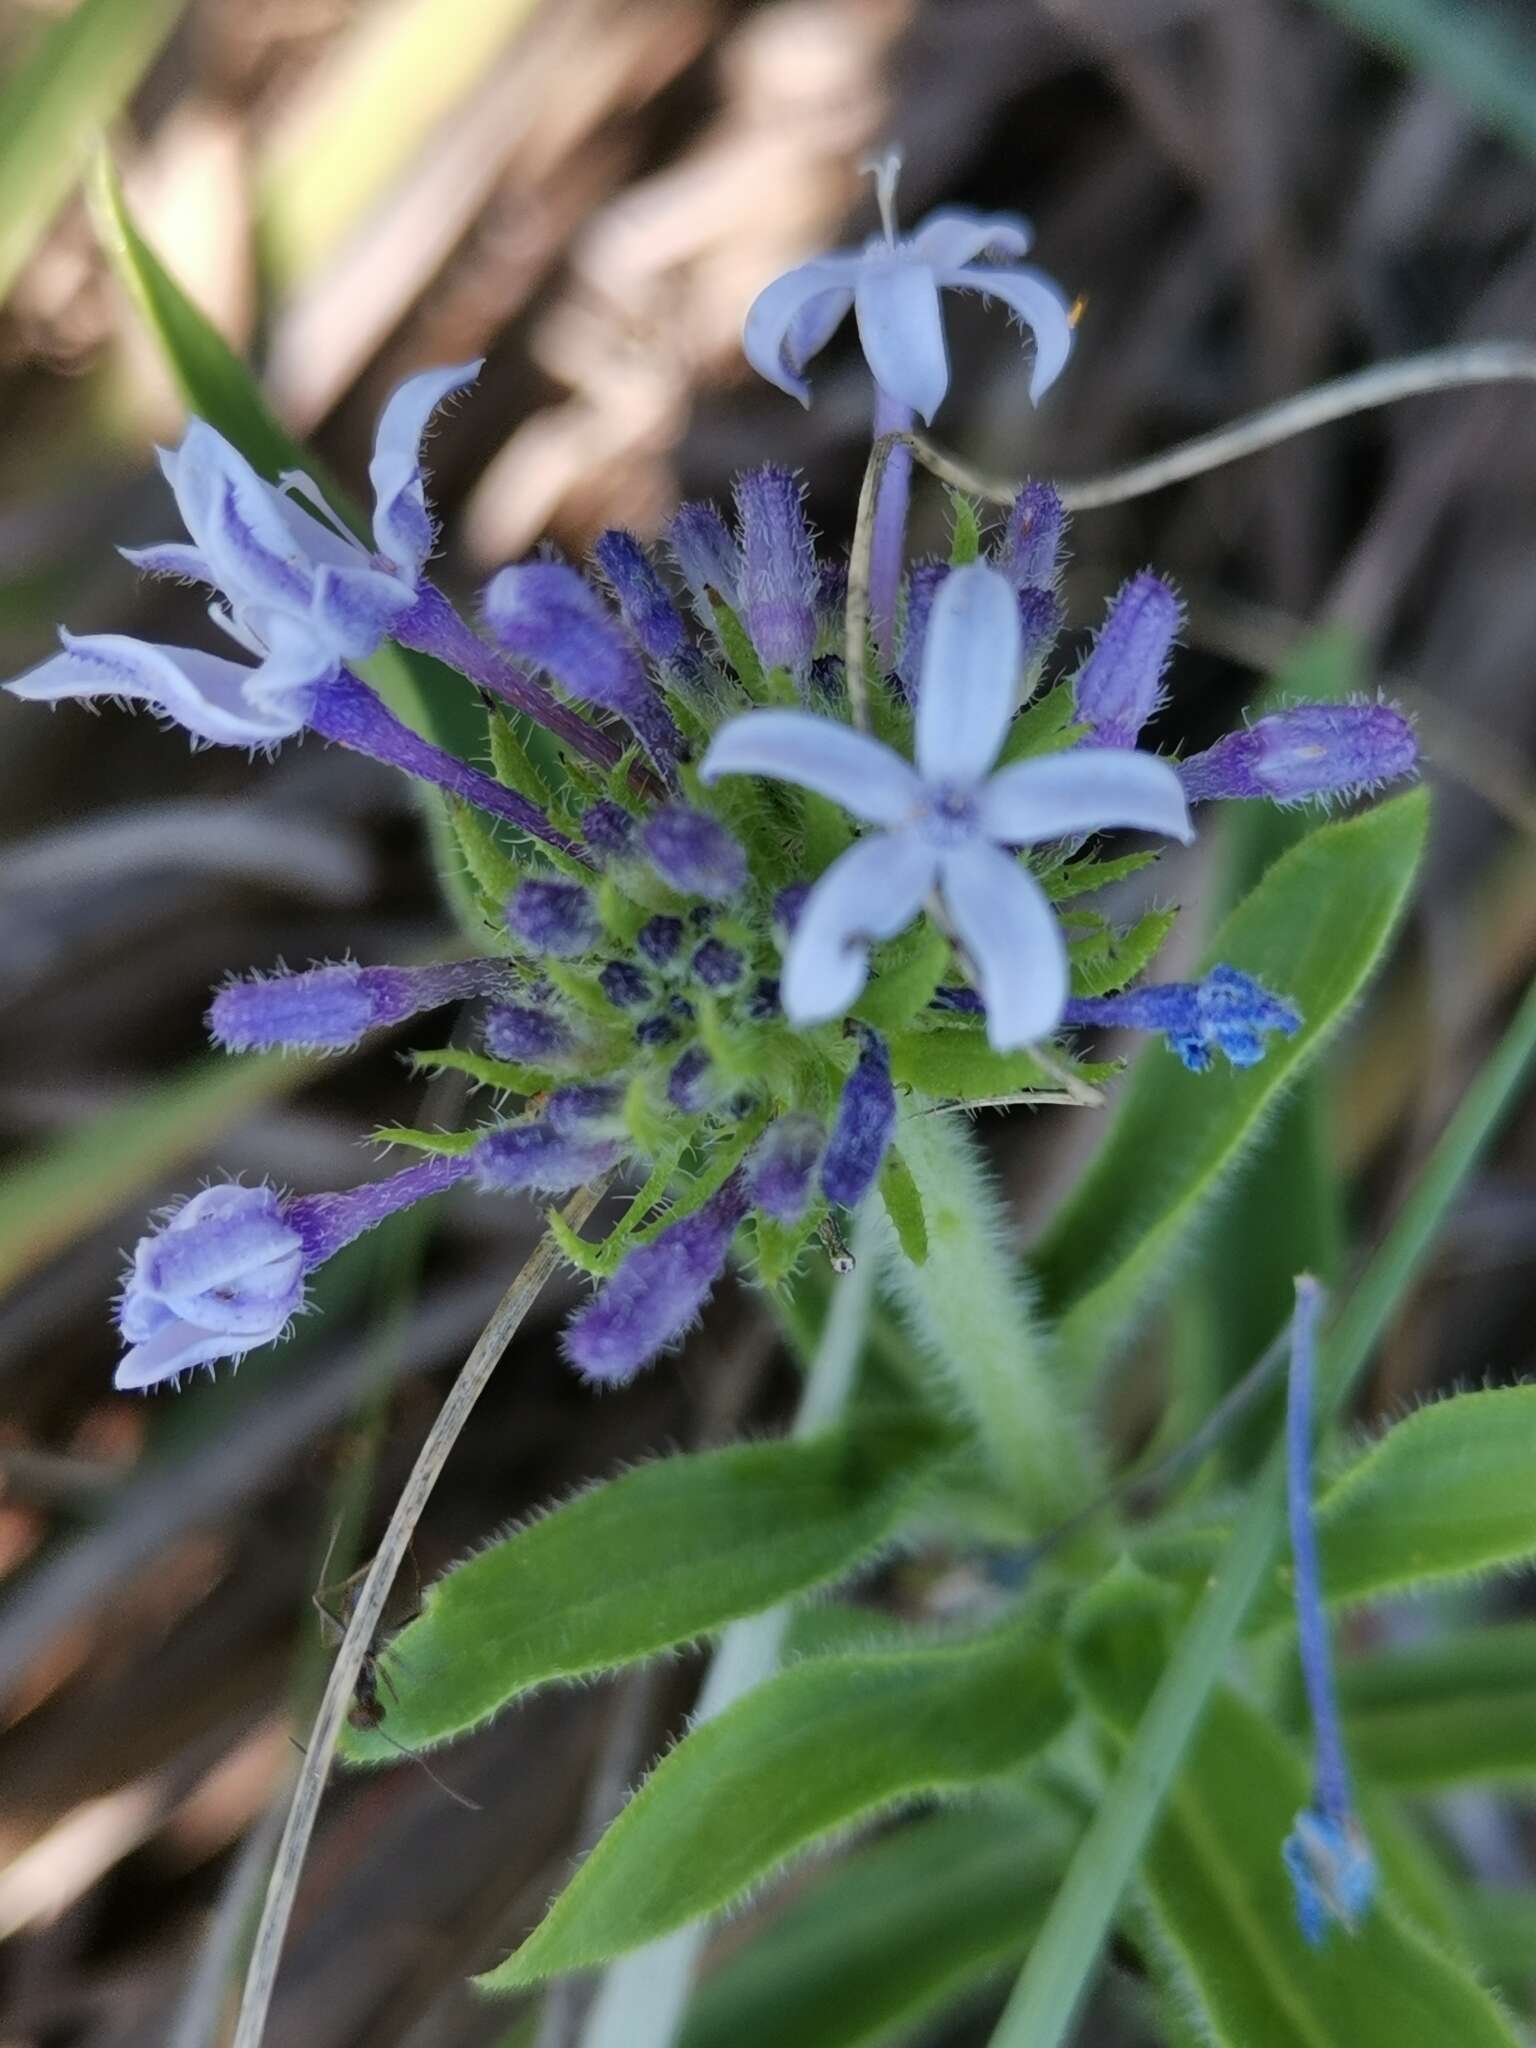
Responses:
[1460,1710]
[74,81]
[821,1745]
[1220,1898]
[888,1937]
[1314,929]
[656,1558]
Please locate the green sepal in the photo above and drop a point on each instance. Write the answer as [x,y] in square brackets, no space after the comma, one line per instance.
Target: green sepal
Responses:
[907,971]
[505,1075]
[964,529]
[448,1144]
[1121,957]
[514,767]
[1047,726]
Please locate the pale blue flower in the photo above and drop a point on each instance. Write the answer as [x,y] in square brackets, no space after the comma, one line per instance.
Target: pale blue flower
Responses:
[948,822]
[297,592]
[892,285]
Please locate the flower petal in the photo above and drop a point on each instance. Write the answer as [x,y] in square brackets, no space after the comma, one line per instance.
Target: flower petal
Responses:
[868,893]
[1040,304]
[969,688]
[203,692]
[402,525]
[237,520]
[354,608]
[793,318]
[1092,789]
[173,558]
[1013,939]
[953,236]
[860,773]
[174,1349]
[901,329]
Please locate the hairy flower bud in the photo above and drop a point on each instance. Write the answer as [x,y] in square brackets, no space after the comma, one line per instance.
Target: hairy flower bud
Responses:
[1310,750]
[658,1292]
[863,1128]
[608,828]
[688,1085]
[779,578]
[547,613]
[719,966]
[328,1009]
[541,1157]
[554,917]
[924,581]
[783,1164]
[1030,555]
[623,984]
[644,599]
[707,558]
[529,1036]
[694,853]
[1226,1012]
[1120,685]
[659,939]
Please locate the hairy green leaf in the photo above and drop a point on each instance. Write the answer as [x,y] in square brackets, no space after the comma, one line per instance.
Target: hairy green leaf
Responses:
[888,1937]
[1459,1710]
[819,1746]
[1314,929]
[651,1560]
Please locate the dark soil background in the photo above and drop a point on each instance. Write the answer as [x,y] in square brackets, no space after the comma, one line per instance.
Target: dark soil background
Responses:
[1249,196]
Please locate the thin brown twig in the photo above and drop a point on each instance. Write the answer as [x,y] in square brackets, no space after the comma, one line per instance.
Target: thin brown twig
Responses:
[366,1615]
[1440,369]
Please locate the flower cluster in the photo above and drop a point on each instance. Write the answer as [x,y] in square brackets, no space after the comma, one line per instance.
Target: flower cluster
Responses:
[699,974]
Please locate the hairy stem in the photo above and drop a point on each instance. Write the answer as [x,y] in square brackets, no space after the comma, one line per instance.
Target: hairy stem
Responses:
[889,535]
[970,1311]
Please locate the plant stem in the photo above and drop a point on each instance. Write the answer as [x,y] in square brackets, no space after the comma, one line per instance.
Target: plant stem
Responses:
[1061,1964]
[968,1308]
[890,528]
[368,1612]
[644,1995]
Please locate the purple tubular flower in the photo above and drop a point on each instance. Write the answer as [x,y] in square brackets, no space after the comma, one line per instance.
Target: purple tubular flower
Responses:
[659,939]
[779,577]
[514,1031]
[345,711]
[1040,620]
[783,1165]
[607,828]
[1030,555]
[688,1084]
[1308,751]
[1226,1012]
[554,917]
[658,1292]
[327,1222]
[540,1157]
[328,1009]
[707,558]
[924,580]
[644,599]
[717,965]
[1120,685]
[623,984]
[694,853]
[863,1128]
[547,613]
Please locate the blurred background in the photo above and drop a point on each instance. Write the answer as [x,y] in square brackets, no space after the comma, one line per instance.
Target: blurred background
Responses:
[1249,195]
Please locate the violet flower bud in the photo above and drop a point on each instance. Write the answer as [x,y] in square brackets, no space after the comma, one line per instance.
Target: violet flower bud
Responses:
[540,1157]
[779,578]
[783,1165]
[688,1085]
[644,599]
[658,1292]
[623,984]
[329,1008]
[1040,620]
[863,1128]
[924,581]
[1120,685]
[659,939]
[694,853]
[528,1036]
[658,1030]
[707,558]
[719,966]
[608,828]
[559,918]
[547,613]
[586,1108]
[1310,750]
[788,904]
[1030,555]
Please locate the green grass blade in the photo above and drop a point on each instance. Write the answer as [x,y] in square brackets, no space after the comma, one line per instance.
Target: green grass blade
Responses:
[77,78]
[1059,1968]
[1474,50]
